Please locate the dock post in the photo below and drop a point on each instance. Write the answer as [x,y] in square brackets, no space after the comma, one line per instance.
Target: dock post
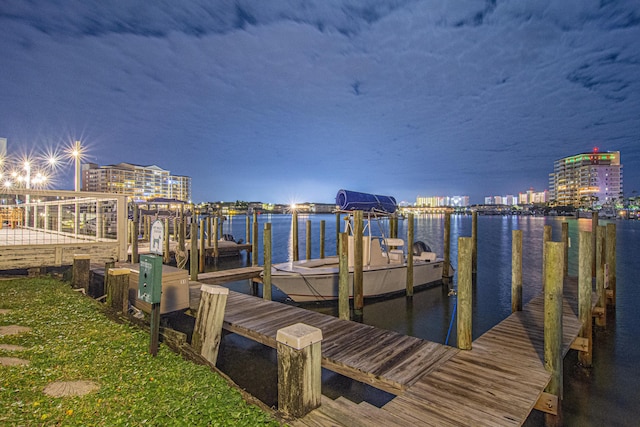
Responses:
[80,271]
[343,278]
[447,249]
[254,242]
[166,255]
[308,239]
[299,370]
[118,289]
[546,237]
[601,320]
[207,332]
[209,231]
[215,238]
[337,232]
[474,237]
[193,256]
[553,259]
[202,251]
[322,238]
[516,270]
[135,258]
[294,231]
[358,290]
[247,228]
[266,276]
[611,263]
[584,297]
[565,241]
[410,238]
[594,234]
[465,298]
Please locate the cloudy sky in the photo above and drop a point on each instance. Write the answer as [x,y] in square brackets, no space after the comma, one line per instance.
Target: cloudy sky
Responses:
[285,100]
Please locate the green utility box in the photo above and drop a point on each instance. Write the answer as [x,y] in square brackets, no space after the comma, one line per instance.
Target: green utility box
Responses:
[150,279]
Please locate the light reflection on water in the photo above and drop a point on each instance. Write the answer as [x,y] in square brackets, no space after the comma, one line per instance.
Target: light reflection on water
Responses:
[606,395]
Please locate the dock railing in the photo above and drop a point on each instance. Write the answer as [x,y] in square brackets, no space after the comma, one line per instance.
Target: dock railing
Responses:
[40,227]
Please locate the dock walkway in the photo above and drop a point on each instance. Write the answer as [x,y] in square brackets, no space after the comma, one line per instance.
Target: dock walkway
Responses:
[497,383]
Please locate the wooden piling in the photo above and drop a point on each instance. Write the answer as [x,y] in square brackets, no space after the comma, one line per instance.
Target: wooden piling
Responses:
[565,241]
[118,289]
[358,290]
[247,228]
[299,369]
[209,230]
[308,239]
[255,241]
[166,255]
[601,320]
[516,270]
[611,264]
[207,332]
[135,258]
[584,297]
[338,232]
[410,239]
[202,251]
[553,280]
[215,238]
[474,237]
[546,237]
[294,232]
[465,299]
[447,249]
[193,256]
[343,278]
[322,237]
[594,234]
[107,266]
[81,271]
[266,275]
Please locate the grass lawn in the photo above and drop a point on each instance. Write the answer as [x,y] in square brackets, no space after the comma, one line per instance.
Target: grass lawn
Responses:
[71,339]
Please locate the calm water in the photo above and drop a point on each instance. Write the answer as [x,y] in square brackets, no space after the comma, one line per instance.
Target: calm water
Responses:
[608,394]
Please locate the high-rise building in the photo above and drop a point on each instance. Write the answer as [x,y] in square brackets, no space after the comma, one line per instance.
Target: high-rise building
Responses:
[139,182]
[586,179]
[439,201]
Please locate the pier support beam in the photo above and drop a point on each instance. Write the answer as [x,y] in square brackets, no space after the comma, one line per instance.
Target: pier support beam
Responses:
[343,278]
[584,297]
[80,271]
[474,237]
[294,232]
[565,241]
[611,264]
[207,332]
[254,241]
[446,274]
[601,320]
[553,281]
[516,270]
[299,369]
[118,289]
[358,277]
[465,298]
[308,239]
[322,237]
[266,276]
[410,231]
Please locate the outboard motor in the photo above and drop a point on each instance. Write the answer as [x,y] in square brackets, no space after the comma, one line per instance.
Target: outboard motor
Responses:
[420,247]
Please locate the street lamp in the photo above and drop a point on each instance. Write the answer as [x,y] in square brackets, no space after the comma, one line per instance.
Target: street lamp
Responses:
[76,153]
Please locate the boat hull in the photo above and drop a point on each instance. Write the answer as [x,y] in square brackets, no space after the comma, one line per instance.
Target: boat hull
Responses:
[317,280]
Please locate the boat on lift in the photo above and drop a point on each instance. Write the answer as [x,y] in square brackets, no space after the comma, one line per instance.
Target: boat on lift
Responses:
[384,258]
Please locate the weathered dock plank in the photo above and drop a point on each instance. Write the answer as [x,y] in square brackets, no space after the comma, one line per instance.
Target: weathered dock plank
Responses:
[226,276]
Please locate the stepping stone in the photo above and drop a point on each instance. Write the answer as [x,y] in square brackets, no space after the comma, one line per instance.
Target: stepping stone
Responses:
[13,361]
[4,311]
[70,388]
[13,330]
[11,347]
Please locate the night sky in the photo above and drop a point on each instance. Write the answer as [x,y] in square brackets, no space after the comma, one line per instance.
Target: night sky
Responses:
[281,101]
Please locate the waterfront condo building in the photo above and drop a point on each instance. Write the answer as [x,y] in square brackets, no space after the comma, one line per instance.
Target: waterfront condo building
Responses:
[139,182]
[587,179]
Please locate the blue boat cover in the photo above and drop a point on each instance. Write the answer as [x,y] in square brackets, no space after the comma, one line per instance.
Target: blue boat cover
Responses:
[353,200]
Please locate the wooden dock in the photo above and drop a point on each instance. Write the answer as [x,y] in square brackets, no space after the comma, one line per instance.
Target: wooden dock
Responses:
[497,383]
[226,276]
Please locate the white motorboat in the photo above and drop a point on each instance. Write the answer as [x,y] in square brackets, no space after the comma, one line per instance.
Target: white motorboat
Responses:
[384,270]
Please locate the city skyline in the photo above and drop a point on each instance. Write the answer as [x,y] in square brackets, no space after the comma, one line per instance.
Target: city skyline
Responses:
[285,102]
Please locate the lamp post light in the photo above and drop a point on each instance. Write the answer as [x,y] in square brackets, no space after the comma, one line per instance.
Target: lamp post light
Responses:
[76,153]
